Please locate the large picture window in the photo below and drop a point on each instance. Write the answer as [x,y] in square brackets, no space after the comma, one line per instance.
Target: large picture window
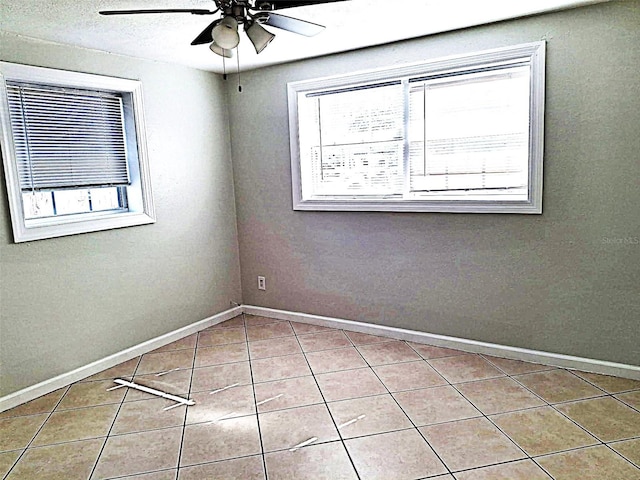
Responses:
[74,152]
[460,134]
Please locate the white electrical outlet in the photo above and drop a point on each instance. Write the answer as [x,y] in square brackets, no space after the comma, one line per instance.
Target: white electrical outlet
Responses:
[262,283]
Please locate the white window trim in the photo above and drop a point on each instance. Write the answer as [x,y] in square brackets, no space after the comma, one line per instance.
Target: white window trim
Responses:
[140,213]
[534,53]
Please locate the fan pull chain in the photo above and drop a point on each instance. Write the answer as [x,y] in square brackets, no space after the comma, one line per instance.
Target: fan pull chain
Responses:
[238,57]
[224,69]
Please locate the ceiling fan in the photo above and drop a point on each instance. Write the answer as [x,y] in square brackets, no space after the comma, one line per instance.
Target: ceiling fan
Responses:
[222,34]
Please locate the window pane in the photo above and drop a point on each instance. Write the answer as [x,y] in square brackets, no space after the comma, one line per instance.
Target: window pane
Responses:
[352,141]
[364,169]
[37,204]
[362,116]
[476,130]
[72,201]
[105,199]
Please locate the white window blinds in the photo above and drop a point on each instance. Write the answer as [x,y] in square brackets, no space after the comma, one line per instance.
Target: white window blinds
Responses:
[460,134]
[354,139]
[476,129]
[67,138]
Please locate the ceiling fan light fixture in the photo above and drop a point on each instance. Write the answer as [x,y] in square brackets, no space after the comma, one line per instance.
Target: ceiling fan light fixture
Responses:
[259,36]
[218,50]
[225,33]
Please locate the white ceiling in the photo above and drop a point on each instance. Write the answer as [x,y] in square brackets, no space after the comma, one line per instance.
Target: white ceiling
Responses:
[166,37]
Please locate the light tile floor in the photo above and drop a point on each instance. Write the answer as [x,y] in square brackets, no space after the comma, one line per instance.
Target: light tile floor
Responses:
[378,409]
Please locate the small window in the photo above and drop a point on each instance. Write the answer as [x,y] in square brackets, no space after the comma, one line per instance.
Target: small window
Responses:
[459,134]
[74,152]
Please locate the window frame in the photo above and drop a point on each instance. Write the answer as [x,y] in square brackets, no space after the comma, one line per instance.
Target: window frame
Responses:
[533,53]
[140,210]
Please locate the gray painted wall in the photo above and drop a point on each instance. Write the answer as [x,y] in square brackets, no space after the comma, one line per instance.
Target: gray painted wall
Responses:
[551,282]
[69,301]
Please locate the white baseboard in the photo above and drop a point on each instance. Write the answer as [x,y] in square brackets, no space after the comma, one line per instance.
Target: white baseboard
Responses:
[48,386]
[473,346]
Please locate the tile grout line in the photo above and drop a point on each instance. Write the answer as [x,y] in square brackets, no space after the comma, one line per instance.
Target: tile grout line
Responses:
[602,442]
[507,462]
[585,447]
[636,409]
[115,417]
[199,464]
[398,404]
[513,377]
[606,393]
[159,429]
[129,477]
[552,406]
[547,404]
[529,457]
[255,399]
[186,410]
[24,451]
[618,453]
[491,421]
[516,379]
[545,368]
[86,407]
[542,468]
[481,414]
[326,405]
[449,471]
[573,372]
[66,442]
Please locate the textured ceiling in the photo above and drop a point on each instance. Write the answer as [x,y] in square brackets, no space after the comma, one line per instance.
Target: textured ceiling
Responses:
[166,37]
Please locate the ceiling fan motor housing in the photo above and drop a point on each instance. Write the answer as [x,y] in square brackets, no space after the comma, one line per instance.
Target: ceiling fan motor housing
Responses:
[264,6]
[237,9]
[222,34]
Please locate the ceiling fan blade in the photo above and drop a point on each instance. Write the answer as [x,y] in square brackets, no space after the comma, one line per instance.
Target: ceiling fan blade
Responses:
[280,4]
[206,36]
[193,11]
[294,25]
